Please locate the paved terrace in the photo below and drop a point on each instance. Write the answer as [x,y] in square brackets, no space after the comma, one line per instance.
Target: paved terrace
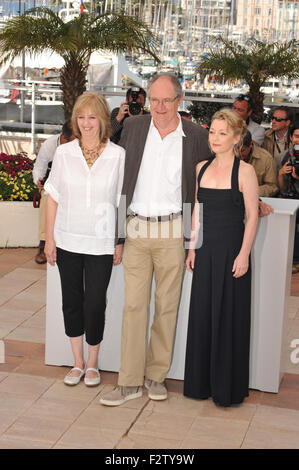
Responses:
[38,411]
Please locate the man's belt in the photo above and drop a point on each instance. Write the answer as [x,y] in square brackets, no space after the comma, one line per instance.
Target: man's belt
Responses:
[159,218]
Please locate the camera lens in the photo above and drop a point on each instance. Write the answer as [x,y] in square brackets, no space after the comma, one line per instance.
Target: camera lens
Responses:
[134,108]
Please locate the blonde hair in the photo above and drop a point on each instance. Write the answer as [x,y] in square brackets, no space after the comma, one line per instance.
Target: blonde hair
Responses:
[99,106]
[235,123]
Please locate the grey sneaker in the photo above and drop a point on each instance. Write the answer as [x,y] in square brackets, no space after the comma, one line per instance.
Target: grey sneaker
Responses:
[120,395]
[156,390]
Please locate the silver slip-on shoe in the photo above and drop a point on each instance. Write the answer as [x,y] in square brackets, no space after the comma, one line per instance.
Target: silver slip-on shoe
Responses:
[71,379]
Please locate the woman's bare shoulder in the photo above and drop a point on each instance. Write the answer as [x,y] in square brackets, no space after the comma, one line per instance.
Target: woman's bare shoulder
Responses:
[246,169]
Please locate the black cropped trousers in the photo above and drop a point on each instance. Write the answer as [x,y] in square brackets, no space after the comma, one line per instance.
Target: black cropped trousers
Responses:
[84,282]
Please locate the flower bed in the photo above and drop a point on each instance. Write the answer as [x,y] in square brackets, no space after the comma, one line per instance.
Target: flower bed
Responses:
[19,219]
[16,181]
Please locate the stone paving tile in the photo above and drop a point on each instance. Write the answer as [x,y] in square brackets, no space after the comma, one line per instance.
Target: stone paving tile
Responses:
[3,375]
[36,366]
[25,385]
[56,409]
[99,416]
[80,392]
[37,429]
[141,441]
[31,334]
[212,432]
[273,428]
[89,437]
[159,425]
[24,274]
[24,349]
[288,396]
[15,443]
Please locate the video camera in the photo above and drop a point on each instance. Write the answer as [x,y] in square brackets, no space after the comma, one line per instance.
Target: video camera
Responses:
[134,107]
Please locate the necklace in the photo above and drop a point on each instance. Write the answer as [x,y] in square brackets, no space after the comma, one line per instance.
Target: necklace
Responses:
[91,155]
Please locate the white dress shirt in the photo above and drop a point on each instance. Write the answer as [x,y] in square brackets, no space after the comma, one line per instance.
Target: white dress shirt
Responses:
[44,156]
[257,131]
[158,189]
[86,197]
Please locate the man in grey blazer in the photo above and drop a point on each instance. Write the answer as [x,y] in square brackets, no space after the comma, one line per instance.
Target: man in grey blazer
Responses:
[159,182]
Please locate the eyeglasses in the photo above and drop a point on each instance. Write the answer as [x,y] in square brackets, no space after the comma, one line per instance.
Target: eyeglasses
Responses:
[274,118]
[165,101]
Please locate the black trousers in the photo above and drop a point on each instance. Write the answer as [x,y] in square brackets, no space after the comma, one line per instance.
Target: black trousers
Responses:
[84,282]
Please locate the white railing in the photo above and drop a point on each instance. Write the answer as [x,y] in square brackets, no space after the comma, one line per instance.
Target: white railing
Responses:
[34,93]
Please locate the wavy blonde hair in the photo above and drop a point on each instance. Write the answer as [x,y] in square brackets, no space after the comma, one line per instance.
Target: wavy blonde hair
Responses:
[235,123]
[99,107]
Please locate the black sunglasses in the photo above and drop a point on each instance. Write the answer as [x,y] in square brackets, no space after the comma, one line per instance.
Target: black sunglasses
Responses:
[244,97]
[278,119]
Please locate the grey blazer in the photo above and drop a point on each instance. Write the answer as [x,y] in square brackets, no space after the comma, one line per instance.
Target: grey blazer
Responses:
[195,149]
[133,138]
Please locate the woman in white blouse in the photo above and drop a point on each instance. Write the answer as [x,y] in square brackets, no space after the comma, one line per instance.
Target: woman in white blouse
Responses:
[84,187]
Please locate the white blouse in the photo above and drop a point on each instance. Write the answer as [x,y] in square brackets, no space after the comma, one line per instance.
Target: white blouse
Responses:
[87,198]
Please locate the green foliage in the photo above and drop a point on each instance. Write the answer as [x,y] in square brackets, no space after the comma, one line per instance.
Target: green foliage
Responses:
[255,62]
[74,41]
[81,35]
[202,111]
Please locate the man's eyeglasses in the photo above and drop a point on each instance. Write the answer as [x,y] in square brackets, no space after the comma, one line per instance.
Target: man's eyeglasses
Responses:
[165,101]
[278,119]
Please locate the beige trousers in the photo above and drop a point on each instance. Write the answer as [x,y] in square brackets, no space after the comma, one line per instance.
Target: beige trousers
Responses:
[158,249]
[42,215]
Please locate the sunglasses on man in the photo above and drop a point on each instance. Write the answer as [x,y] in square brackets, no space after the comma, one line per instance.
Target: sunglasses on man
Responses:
[278,119]
[242,97]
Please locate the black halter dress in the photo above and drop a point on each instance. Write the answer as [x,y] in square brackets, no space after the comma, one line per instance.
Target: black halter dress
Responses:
[217,353]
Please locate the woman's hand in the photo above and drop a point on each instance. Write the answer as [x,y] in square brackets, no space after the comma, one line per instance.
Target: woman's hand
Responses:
[50,252]
[118,254]
[39,184]
[190,260]
[240,266]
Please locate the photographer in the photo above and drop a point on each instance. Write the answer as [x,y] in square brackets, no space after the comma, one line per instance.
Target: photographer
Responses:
[263,164]
[41,170]
[288,180]
[133,106]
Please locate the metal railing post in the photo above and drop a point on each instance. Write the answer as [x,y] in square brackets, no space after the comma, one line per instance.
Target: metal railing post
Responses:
[33,137]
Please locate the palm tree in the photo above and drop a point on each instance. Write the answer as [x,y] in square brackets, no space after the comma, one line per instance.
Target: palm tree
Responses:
[40,29]
[255,63]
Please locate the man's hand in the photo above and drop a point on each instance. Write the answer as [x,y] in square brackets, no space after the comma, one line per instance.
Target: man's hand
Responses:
[39,184]
[264,209]
[123,111]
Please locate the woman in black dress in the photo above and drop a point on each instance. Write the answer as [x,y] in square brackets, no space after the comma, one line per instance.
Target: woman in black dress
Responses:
[217,354]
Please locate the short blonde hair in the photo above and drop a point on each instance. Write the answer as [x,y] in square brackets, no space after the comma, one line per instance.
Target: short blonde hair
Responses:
[99,106]
[235,123]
